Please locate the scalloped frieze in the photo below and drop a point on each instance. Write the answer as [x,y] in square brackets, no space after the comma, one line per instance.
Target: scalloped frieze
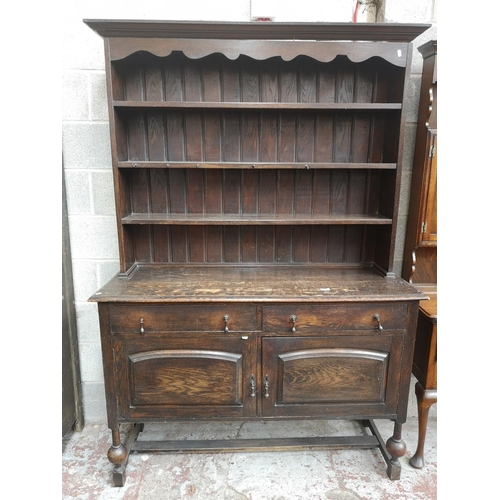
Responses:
[321,51]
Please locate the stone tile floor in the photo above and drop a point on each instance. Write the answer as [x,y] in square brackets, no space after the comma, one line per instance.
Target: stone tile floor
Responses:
[286,475]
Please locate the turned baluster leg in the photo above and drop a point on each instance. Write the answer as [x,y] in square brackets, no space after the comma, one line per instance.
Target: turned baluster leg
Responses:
[117,455]
[425,399]
[119,452]
[396,448]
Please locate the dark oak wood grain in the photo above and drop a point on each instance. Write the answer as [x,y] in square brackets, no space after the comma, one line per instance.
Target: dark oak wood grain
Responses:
[298,371]
[178,114]
[183,318]
[257,169]
[237,283]
[333,318]
[258,219]
[254,105]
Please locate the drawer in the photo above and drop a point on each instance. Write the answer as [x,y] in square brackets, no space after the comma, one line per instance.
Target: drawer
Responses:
[128,318]
[334,317]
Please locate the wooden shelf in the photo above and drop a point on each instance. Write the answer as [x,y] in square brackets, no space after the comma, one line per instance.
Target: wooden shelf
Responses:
[255,219]
[356,106]
[257,278]
[255,165]
[318,122]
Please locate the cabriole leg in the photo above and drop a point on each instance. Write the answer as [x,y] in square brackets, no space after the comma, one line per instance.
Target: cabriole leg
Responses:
[425,399]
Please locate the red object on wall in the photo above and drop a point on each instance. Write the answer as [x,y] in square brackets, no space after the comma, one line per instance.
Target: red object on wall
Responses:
[355,13]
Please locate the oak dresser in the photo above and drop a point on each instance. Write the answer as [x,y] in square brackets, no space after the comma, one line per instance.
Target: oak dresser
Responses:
[257,171]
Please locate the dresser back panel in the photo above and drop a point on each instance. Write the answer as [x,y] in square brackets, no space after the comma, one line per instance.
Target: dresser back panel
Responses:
[215,78]
[334,244]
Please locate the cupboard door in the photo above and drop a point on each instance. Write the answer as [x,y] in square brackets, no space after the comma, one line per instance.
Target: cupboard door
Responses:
[185,377]
[351,375]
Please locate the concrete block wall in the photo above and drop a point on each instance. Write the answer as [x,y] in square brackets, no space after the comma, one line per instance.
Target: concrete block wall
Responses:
[86,142]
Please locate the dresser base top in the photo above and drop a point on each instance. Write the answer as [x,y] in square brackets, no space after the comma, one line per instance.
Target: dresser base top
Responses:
[244,283]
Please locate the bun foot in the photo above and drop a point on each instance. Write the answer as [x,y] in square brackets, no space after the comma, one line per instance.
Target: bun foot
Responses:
[396,448]
[118,453]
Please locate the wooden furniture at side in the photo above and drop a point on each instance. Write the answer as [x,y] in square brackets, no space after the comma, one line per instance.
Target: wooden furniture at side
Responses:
[257,170]
[72,408]
[420,263]
[420,255]
[425,367]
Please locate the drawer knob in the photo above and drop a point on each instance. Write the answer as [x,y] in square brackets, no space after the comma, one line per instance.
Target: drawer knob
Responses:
[141,330]
[379,327]
[266,386]
[226,319]
[293,319]
[252,386]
